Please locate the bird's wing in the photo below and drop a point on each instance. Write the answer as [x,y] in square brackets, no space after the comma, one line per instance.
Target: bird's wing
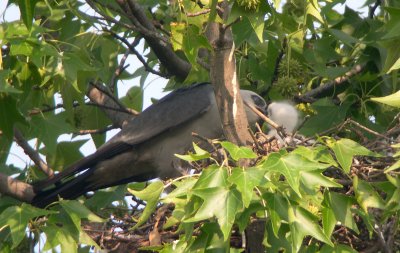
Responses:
[171,111]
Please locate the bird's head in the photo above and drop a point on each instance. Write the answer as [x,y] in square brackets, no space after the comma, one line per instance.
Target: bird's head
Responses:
[253,99]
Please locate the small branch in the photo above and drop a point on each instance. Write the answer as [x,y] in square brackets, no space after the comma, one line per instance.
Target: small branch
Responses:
[328,88]
[199,13]
[33,154]
[372,9]
[138,55]
[121,67]
[96,131]
[109,106]
[16,189]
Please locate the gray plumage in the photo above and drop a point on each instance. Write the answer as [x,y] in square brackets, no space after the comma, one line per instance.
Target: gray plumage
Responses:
[144,149]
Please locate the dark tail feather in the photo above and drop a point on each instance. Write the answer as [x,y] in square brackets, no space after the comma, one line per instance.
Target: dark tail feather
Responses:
[70,189]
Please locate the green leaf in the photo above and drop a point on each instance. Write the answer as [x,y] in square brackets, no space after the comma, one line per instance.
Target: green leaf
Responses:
[102,198]
[291,166]
[66,153]
[237,152]
[9,115]
[74,207]
[134,98]
[56,235]
[17,219]
[221,202]
[303,223]
[344,37]
[315,179]
[392,100]
[200,154]
[340,248]
[366,195]
[246,179]
[213,176]
[327,116]
[345,149]
[151,194]
[318,154]
[48,127]
[394,166]
[27,9]
[341,206]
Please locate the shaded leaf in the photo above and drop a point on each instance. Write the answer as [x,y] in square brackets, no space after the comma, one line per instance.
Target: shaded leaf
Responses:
[151,194]
[237,152]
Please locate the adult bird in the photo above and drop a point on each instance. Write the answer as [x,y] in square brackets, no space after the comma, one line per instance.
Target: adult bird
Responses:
[145,148]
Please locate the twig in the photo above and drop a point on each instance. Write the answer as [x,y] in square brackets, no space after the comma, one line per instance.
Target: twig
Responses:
[138,55]
[96,131]
[372,9]
[195,14]
[121,67]
[366,129]
[326,89]
[20,140]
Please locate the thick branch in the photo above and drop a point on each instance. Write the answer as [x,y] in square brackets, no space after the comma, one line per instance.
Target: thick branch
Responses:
[226,85]
[163,50]
[16,189]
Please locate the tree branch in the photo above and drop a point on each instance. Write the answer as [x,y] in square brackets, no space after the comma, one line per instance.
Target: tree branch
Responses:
[16,189]
[161,47]
[97,96]
[33,154]
[329,89]
[226,86]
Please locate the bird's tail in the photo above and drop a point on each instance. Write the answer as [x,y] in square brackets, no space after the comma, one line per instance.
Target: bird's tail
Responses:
[70,189]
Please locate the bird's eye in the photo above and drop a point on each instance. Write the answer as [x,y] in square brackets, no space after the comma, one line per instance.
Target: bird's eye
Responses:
[259,102]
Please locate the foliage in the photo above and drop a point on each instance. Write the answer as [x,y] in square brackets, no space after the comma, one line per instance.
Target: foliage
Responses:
[312,195]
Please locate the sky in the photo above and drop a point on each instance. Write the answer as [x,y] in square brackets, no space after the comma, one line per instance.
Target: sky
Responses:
[153,87]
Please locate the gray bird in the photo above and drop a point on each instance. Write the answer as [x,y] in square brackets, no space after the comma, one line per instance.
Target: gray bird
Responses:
[145,148]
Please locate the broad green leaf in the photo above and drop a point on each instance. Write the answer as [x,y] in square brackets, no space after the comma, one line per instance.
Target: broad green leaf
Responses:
[177,32]
[394,166]
[237,152]
[291,166]
[221,202]
[246,179]
[395,66]
[327,115]
[66,153]
[341,206]
[9,115]
[315,179]
[27,9]
[48,127]
[328,220]
[17,219]
[392,100]
[151,194]
[102,198]
[340,248]
[318,154]
[366,195]
[76,208]
[344,37]
[303,223]
[134,98]
[59,236]
[346,149]
[213,176]
[200,154]
[183,188]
